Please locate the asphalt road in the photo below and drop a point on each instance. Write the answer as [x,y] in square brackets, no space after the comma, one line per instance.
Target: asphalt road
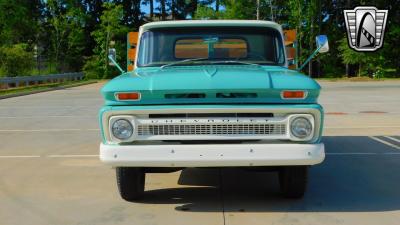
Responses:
[50,172]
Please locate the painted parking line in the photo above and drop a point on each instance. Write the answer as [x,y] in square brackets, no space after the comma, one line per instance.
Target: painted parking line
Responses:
[45,156]
[18,156]
[392,138]
[71,156]
[44,117]
[360,127]
[49,130]
[361,153]
[47,106]
[351,153]
[384,142]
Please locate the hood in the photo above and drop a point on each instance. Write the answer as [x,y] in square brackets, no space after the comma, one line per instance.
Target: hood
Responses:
[222,84]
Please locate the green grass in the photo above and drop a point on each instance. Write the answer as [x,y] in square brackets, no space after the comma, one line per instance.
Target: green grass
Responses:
[43,87]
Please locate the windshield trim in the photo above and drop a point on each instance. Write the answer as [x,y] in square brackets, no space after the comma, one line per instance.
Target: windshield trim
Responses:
[270,29]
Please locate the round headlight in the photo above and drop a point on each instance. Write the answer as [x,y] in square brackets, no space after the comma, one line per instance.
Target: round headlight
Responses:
[301,127]
[122,129]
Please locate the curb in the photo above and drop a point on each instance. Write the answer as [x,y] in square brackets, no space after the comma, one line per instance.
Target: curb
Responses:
[46,90]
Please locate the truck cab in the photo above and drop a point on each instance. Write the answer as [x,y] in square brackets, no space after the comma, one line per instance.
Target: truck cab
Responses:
[211,94]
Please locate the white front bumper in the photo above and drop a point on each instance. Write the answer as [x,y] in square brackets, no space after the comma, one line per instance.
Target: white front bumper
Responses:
[212,155]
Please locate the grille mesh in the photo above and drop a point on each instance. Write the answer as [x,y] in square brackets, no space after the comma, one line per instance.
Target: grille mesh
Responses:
[215,129]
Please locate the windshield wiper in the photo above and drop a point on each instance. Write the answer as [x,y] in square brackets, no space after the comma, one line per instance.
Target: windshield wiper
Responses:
[183,61]
[235,61]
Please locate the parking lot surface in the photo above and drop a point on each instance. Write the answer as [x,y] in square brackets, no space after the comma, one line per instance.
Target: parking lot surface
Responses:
[50,172]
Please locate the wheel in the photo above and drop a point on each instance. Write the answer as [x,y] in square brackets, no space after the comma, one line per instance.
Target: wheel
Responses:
[293,181]
[130,182]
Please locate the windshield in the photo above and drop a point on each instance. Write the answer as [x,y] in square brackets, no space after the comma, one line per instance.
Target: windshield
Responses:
[211,45]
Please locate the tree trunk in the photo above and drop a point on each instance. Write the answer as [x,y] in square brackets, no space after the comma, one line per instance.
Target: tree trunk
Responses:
[193,7]
[359,70]
[311,14]
[258,9]
[173,6]
[310,70]
[299,33]
[151,9]
[163,13]
[105,75]
[217,5]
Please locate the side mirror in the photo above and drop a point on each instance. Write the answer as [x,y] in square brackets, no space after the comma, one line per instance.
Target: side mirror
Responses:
[322,43]
[322,47]
[112,55]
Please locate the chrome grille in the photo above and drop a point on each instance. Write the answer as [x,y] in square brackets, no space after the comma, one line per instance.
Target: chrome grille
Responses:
[215,129]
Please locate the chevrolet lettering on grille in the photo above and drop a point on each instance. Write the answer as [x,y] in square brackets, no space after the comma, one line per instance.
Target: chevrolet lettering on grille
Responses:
[169,121]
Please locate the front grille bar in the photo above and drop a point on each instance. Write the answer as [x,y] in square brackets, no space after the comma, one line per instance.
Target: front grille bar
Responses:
[210,128]
[240,129]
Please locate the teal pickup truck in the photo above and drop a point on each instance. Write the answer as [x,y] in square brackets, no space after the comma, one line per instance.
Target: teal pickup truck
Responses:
[211,94]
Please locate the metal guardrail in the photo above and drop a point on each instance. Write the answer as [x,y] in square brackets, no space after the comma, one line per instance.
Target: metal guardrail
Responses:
[12,82]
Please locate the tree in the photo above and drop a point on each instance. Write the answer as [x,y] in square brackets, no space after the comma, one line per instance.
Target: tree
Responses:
[133,17]
[93,9]
[350,56]
[240,9]
[163,9]
[75,42]
[312,16]
[206,12]
[65,22]
[151,8]
[110,28]
[58,23]
[19,21]
[16,60]
[191,8]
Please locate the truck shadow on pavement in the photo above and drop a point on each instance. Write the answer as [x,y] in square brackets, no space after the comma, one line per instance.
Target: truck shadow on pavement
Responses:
[359,174]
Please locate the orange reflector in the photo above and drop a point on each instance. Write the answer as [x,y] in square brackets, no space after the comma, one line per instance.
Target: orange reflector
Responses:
[132,54]
[133,38]
[128,96]
[293,94]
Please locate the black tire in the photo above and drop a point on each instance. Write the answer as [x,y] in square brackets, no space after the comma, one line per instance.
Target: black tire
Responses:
[293,181]
[130,182]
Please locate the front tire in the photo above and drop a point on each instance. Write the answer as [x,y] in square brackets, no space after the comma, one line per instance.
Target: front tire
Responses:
[130,182]
[293,181]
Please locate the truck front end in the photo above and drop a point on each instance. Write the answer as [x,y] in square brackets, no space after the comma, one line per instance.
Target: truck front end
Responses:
[211,94]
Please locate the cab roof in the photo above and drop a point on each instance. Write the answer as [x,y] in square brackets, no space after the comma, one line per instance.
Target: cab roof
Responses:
[211,23]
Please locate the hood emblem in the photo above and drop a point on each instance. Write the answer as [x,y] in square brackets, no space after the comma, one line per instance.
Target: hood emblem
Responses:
[210,71]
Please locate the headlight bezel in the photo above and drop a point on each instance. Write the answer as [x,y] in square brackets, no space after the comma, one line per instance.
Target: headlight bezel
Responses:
[310,118]
[130,120]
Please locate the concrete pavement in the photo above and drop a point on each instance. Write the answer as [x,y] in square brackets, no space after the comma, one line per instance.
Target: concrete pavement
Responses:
[50,172]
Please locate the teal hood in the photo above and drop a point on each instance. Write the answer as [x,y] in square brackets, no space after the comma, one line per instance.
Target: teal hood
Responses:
[211,84]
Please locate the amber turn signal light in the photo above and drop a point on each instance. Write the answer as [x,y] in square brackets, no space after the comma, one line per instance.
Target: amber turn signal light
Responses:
[128,96]
[293,94]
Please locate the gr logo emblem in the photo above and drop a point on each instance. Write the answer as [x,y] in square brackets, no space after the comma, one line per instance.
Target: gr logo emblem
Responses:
[365,28]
